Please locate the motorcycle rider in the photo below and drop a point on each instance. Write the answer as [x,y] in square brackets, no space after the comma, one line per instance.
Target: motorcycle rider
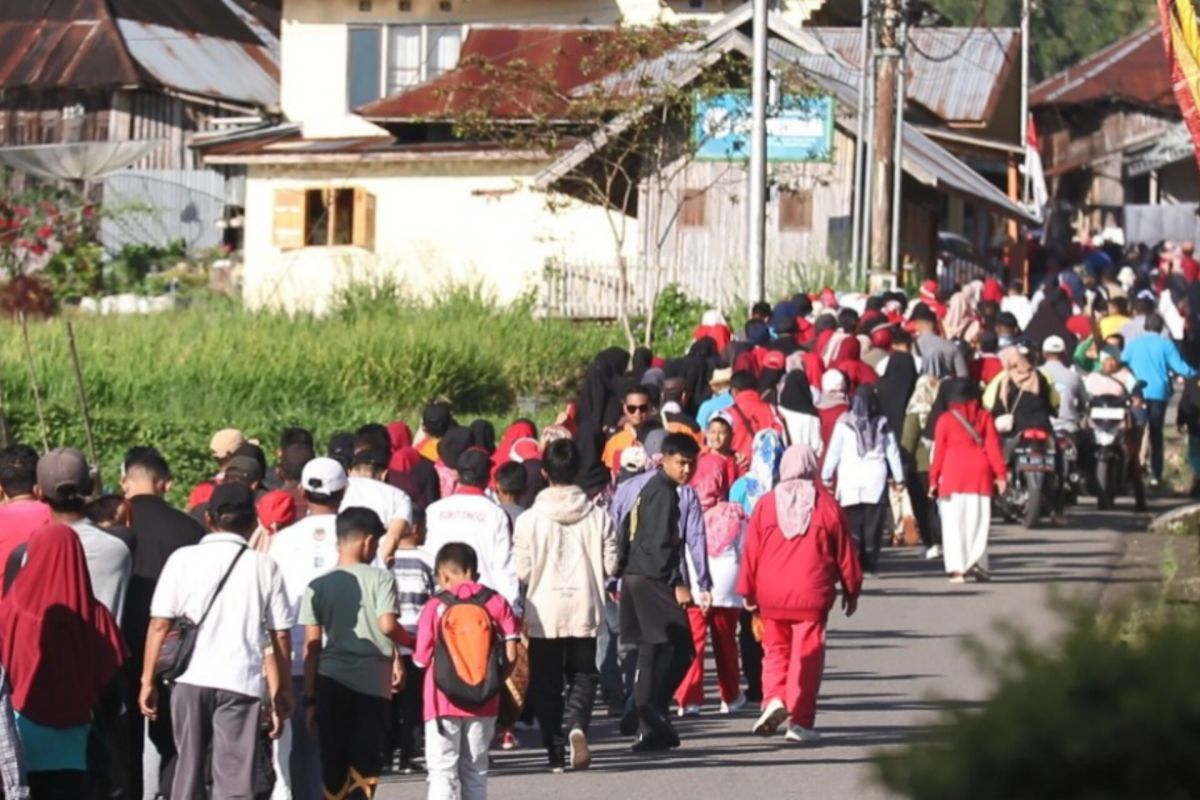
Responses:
[1072,405]
[1114,379]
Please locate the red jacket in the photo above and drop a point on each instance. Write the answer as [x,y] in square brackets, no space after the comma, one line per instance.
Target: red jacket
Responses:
[749,407]
[975,466]
[796,579]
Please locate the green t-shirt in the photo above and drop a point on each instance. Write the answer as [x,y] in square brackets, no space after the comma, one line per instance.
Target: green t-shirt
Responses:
[347,604]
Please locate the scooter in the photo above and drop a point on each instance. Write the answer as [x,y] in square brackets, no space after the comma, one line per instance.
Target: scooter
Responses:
[1108,418]
[1070,473]
[1032,477]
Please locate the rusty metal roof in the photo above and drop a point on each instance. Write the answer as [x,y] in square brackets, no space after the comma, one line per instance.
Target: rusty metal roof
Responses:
[957,74]
[212,48]
[1133,70]
[563,57]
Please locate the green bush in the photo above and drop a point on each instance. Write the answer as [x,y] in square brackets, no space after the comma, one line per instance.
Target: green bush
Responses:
[173,379]
[1098,716]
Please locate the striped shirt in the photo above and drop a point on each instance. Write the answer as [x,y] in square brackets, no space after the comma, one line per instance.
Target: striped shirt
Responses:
[415,584]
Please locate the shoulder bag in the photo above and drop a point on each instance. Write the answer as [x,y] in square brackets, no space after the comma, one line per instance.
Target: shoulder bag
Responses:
[1005,422]
[180,642]
[969,428]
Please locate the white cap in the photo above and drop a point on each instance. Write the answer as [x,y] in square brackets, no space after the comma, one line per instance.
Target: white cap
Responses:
[1054,344]
[323,476]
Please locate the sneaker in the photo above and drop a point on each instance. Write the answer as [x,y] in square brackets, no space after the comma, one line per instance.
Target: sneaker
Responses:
[772,717]
[980,574]
[688,711]
[736,705]
[508,741]
[800,735]
[581,756]
[933,553]
[648,744]
[557,760]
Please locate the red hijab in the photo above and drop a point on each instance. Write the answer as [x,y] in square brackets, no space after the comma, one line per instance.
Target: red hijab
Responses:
[400,435]
[60,646]
[521,429]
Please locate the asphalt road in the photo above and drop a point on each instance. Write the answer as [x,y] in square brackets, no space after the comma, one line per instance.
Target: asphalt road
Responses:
[889,669]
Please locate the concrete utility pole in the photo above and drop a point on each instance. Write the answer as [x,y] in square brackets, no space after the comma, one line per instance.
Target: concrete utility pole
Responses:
[756,231]
[887,73]
[1025,11]
[860,148]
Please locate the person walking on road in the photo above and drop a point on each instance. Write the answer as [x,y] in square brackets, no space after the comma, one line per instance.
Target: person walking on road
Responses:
[1154,359]
[798,549]
[565,548]
[967,462]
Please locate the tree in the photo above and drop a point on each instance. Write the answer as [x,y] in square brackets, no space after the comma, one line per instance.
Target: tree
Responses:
[1062,31]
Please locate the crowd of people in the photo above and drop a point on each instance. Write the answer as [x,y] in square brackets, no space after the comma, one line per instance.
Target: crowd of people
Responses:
[412,602]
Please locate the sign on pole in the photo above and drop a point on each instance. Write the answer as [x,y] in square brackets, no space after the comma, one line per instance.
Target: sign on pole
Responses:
[799,130]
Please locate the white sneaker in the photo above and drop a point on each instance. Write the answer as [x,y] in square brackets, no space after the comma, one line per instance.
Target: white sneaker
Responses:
[580,756]
[772,717]
[932,553]
[800,735]
[688,711]
[737,705]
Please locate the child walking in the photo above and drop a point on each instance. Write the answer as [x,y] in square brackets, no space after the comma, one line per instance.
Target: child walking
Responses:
[458,637]
[350,677]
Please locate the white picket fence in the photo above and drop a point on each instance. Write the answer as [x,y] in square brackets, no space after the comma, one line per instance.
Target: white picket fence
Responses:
[592,290]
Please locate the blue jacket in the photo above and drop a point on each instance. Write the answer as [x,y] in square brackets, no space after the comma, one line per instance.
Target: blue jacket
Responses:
[1153,359]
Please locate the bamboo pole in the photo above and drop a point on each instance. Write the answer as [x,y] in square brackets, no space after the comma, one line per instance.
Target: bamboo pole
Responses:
[84,410]
[37,392]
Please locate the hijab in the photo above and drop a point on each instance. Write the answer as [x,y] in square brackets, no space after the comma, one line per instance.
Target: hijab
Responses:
[519,429]
[723,521]
[453,444]
[896,387]
[60,647]
[797,394]
[1050,319]
[764,467]
[552,433]
[1019,370]
[483,436]
[960,321]
[595,407]
[400,435]
[864,419]
[833,390]
[796,494]
[948,388]
[714,326]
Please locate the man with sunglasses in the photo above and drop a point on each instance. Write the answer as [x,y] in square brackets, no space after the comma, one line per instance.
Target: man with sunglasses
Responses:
[638,420]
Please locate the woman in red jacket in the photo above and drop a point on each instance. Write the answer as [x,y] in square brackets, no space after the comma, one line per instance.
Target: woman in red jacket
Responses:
[965,437]
[797,550]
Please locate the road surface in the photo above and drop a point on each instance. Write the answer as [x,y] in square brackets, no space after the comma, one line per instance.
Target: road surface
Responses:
[888,668]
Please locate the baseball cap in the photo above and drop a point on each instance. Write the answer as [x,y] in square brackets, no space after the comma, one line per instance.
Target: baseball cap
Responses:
[922,313]
[372,457]
[246,467]
[61,468]
[721,377]
[231,498]
[1054,344]
[436,415]
[633,458]
[276,510]
[474,464]
[1108,351]
[324,476]
[224,442]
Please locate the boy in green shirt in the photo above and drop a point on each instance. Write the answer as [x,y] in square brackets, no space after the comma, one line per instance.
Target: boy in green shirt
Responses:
[350,678]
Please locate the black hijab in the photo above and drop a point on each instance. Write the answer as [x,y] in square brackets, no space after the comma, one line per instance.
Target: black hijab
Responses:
[797,394]
[596,403]
[483,435]
[947,390]
[895,389]
[453,444]
[768,384]
[1050,319]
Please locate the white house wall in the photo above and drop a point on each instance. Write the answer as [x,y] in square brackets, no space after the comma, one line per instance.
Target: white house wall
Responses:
[436,224]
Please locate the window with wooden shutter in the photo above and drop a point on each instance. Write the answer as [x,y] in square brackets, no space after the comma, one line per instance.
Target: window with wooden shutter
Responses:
[364,219]
[289,219]
[795,211]
[694,208]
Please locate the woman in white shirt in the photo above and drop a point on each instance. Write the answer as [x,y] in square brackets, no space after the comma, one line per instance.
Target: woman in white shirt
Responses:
[801,423]
[862,452]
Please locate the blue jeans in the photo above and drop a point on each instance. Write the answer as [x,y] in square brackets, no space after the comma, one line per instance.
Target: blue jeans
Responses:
[1158,420]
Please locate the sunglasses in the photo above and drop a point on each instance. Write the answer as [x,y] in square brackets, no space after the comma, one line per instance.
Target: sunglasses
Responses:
[642,409]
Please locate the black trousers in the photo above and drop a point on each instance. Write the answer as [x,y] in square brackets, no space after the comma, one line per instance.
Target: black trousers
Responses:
[867,521]
[553,664]
[407,713]
[752,657]
[63,784]
[928,521]
[352,730]
[651,619]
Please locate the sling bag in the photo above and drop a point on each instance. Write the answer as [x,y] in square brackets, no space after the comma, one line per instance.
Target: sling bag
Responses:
[180,642]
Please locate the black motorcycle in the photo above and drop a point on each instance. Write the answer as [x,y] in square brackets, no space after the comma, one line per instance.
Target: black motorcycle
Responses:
[1032,477]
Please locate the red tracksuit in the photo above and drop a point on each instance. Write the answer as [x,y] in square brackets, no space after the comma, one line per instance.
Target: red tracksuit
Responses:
[723,622]
[794,584]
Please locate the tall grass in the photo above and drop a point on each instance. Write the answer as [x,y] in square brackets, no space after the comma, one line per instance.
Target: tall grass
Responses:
[174,378]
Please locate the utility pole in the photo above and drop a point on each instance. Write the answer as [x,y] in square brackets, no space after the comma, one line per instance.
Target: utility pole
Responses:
[1026,9]
[895,261]
[756,232]
[860,148]
[888,68]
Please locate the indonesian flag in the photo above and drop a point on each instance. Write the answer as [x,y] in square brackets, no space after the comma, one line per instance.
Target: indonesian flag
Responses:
[1181,38]
[1034,169]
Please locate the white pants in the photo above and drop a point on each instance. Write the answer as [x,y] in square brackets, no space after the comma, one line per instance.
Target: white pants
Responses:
[965,522]
[456,756]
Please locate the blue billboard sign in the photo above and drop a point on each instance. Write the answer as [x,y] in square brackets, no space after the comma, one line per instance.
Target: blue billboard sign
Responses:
[799,129]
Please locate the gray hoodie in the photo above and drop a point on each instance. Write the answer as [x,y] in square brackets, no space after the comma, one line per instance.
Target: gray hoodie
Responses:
[564,547]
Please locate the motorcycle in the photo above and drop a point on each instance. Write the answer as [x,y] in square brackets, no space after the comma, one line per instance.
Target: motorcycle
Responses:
[1108,419]
[1032,477]
[1070,473]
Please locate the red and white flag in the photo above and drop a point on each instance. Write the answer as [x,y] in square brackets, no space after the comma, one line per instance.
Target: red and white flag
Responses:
[1034,170]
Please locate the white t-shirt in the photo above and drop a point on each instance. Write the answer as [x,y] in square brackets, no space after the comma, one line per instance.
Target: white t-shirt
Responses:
[229,645]
[109,563]
[304,551]
[475,520]
[384,499]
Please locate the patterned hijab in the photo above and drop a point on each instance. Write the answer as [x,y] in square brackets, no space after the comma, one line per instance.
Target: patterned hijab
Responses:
[764,467]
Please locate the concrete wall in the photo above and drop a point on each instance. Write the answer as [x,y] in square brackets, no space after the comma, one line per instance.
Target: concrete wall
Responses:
[314,40]
[436,223]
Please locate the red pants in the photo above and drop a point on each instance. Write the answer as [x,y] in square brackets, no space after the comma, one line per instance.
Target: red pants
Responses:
[793,663]
[723,623]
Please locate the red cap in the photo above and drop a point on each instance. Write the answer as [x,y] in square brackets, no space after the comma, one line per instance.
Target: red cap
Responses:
[774,360]
[276,510]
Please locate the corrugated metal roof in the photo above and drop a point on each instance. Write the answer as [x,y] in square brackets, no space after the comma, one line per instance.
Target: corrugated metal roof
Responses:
[1133,69]
[562,57]
[213,48]
[955,73]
